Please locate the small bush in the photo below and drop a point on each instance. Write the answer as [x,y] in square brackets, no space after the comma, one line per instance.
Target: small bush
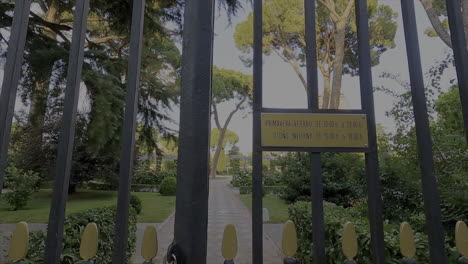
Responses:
[168,186]
[74,226]
[21,185]
[135,203]
[242,178]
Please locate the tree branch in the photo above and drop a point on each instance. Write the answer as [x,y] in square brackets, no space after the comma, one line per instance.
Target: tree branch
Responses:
[433,16]
[347,11]
[216,116]
[333,14]
[106,39]
[228,120]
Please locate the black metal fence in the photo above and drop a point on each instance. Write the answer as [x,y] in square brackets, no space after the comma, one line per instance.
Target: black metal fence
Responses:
[192,192]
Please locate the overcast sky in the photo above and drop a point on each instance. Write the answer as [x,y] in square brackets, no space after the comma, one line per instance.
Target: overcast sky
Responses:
[282,87]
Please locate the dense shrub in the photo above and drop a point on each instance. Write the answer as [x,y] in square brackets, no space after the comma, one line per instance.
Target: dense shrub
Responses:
[335,218]
[21,186]
[272,177]
[135,203]
[74,226]
[242,178]
[168,186]
[341,177]
[144,174]
[99,186]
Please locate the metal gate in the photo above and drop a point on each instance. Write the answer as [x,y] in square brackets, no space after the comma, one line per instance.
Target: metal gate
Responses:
[190,245]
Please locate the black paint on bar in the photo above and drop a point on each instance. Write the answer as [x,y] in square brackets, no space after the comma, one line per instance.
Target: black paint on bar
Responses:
[316,190]
[430,193]
[460,53]
[372,160]
[257,155]
[128,133]
[65,147]
[191,217]
[12,74]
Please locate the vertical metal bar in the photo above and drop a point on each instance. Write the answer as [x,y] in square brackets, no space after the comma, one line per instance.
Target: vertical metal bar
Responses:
[257,154]
[316,190]
[12,74]
[460,53]
[65,146]
[372,160]
[128,133]
[430,193]
[191,218]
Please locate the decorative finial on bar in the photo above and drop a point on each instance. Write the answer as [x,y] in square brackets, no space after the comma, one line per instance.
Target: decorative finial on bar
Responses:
[461,241]
[19,243]
[349,243]
[149,246]
[89,243]
[289,242]
[407,244]
[229,246]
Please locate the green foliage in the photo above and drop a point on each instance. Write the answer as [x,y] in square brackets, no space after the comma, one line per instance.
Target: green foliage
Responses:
[272,177]
[144,174]
[20,185]
[136,204]
[74,226]
[229,85]
[335,217]
[170,166]
[234,163]
[168,186]
[400,162]
[242,178]
[341,174]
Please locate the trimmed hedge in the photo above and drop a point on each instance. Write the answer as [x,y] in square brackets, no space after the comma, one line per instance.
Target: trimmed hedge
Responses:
[335,217]
[273,190]
[102,186]
[74,226]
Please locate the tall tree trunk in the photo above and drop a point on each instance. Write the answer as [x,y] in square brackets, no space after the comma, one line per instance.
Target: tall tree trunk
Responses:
[39,98]
[219,148]
[326,90]
[39,94]
[338,64]
[222,133]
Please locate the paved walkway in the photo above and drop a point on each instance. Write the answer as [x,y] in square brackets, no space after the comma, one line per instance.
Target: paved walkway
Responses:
[225,208]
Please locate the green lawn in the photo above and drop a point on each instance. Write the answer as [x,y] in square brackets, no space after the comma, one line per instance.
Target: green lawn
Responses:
[277,208]
[156,208]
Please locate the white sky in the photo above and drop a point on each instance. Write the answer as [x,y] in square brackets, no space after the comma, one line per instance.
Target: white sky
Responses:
[282,88]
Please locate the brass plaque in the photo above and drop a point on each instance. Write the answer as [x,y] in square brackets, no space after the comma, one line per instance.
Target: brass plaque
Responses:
[314,130]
